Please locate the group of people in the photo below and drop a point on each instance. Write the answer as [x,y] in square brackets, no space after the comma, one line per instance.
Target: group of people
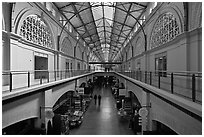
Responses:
[99,99]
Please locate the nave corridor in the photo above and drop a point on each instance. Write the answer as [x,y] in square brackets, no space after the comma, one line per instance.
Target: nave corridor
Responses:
[144,59]
[103,119]
[75,113]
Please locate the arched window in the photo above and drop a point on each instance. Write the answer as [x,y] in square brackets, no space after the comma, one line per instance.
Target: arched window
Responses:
[35,30]
[166,29]
[66,47]
[139,47]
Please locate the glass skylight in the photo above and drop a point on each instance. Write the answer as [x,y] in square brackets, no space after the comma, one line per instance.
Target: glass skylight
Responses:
[103,15]
[103,25]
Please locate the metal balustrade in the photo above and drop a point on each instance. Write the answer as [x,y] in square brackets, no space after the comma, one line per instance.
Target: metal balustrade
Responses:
[13,80]
[185,84]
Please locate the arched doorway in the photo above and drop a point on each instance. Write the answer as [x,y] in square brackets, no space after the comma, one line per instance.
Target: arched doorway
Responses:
[24,127]
[160,129]
[135,104]
[64,103]
[132,106]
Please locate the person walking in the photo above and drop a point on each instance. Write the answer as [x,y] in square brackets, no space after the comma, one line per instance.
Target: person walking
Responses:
[99,100]
[95,98]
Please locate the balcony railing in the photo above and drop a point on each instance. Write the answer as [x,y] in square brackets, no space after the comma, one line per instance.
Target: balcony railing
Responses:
[13,80]
[185,84]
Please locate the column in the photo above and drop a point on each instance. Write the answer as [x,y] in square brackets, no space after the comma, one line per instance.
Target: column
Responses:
[146,104]
[47,108]
[5,57]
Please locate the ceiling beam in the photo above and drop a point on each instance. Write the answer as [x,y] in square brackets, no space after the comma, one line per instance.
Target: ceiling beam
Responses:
[144,6]
[80,18]
[68,21]
[105,62]
[125,19]
[64,6]
[133,27]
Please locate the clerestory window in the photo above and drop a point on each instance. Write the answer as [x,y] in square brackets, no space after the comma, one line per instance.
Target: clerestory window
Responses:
[165,30]
[35,30]
[66,46]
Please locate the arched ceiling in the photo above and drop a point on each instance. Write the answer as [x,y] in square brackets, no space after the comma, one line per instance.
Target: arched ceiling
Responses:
[104,26]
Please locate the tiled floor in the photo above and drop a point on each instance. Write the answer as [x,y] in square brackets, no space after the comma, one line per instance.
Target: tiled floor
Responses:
[103,119]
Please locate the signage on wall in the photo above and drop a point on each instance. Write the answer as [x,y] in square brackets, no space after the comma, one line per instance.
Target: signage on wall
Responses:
[122,92]
[40,54]
[80,91]
[49,114]
[143,112]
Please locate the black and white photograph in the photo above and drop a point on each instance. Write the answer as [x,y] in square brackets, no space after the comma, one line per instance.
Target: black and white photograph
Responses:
[101,68]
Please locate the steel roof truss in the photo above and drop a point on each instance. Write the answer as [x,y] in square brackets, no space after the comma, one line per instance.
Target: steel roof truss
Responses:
[79,16]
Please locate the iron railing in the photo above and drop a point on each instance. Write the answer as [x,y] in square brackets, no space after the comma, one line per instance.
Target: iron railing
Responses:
[185,84]
[12,80]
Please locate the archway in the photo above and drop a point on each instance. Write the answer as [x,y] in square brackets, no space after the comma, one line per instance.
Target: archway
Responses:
[134,102]
[64,103]
[160,129]
[24,127]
